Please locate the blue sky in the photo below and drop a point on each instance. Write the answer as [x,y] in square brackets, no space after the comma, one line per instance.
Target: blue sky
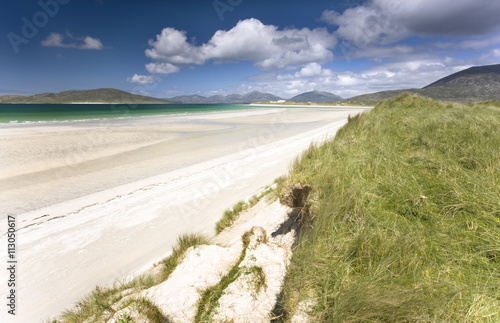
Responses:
[167,48]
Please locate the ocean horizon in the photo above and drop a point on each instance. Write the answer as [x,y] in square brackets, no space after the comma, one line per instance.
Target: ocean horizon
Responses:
[15,113]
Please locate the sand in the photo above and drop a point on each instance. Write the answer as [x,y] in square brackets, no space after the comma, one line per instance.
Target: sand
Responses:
[105,199]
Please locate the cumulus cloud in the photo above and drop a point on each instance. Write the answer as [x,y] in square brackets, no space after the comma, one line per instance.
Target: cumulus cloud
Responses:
[58,40]
[268,47]
[313,70]
[141,79]
[161,68]
[387,21]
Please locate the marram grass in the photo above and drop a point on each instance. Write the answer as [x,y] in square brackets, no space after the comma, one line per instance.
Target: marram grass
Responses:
[406,200]
[100,304]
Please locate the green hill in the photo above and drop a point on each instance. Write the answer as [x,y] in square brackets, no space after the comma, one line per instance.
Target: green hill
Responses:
[94,96]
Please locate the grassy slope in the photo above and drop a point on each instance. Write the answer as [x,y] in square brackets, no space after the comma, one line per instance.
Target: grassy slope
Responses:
[406,201]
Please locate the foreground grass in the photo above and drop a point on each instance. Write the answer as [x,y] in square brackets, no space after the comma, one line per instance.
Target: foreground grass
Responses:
[406,202]
[99,305]
[231,215]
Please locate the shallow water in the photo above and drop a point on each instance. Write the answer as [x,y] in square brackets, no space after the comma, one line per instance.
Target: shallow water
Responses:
[41,113]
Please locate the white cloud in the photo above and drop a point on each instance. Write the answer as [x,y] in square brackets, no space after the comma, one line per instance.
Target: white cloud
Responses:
[365,25]
[91,43]
[313,70]
[171,46]
[387,21]
[250,40]
[161,68]
[480,43]
[141,79]
[53,40]
[58,40]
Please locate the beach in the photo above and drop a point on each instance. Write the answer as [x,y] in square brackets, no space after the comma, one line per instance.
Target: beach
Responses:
[99,200]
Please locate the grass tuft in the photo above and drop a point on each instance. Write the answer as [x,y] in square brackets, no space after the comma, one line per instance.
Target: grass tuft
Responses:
[231,215]
[183,243]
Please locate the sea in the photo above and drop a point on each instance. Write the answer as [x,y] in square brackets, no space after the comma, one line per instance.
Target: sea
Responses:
[46,113]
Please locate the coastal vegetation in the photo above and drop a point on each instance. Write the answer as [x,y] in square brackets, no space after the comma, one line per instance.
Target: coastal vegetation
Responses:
[103,303]
[232,214]
[406,207]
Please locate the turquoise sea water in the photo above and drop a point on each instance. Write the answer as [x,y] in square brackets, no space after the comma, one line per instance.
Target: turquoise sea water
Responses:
[26,113]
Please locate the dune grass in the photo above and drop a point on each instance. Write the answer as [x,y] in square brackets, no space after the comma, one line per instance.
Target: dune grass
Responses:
[231,215]
[99,305]
[406,201]
[183,244]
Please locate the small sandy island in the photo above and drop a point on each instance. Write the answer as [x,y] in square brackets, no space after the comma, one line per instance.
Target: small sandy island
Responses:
[99,200]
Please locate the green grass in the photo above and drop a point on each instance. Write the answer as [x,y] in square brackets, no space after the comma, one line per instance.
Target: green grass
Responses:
[183,243]
[97,306]
[210,297]
[231,215]
[259,278]
[406,204]
[148,309]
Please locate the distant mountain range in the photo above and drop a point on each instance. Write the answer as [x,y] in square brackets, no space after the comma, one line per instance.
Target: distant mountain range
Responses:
[117,96]
[93,96]
[314,96]
[473,84]
[228,99]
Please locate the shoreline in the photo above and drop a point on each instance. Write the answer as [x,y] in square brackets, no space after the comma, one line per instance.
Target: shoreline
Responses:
[118,223]
[310,106]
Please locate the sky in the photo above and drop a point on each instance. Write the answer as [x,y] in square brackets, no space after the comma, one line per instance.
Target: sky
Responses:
[209,47]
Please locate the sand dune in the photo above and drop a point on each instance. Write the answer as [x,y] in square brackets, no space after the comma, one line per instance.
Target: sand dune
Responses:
[100,200]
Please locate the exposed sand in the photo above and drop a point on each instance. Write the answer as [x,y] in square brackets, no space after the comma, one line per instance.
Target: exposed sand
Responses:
[99,200]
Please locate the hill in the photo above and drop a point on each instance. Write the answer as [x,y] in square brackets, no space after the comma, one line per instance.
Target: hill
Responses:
[474,84]
[105,95]
[316,96]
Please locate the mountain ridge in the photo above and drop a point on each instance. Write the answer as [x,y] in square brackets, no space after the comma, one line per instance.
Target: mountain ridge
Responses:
[228,99]
[255,96]
[102,95]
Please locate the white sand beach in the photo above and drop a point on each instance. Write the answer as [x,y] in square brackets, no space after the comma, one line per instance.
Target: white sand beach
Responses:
[101,200]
